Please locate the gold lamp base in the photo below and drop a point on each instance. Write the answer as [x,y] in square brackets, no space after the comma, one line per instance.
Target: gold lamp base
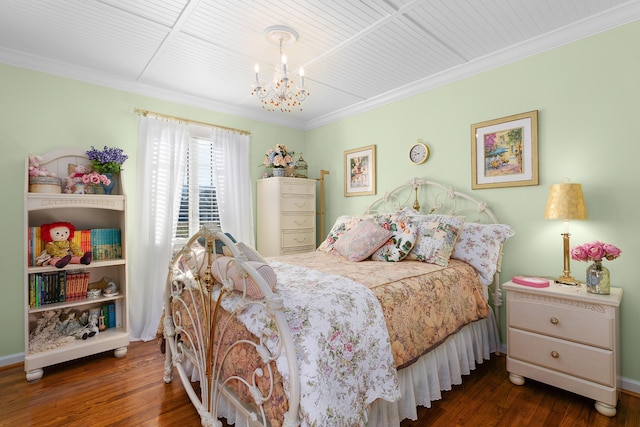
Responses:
[567,280]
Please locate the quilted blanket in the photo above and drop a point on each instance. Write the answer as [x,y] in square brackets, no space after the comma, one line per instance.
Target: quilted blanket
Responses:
[343,349]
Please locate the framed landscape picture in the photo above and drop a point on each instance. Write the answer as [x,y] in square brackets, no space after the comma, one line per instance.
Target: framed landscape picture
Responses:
[360,171]
[504,152]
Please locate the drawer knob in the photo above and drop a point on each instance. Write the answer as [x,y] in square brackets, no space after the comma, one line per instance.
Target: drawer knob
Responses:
[555,354]
[554,320]
[298,239]
[300,205]
[299,221]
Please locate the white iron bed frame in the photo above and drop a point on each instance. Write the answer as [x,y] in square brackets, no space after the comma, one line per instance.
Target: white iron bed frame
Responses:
[471,345]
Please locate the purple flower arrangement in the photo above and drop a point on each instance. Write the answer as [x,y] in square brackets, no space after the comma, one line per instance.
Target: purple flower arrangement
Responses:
[109,160]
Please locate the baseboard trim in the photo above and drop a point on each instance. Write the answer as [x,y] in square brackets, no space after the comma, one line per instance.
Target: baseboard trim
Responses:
[11,359]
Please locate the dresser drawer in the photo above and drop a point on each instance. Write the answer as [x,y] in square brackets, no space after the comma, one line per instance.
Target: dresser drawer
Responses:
[292,239]
[298,221]
[298,203]
[298,188]
[590,363]
[577,321]
[298,250]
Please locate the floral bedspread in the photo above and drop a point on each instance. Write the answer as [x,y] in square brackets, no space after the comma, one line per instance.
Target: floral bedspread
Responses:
[421,309]
[420,304]
[343,349]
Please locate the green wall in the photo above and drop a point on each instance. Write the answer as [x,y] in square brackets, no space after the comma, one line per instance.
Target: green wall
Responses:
[41,113]
[586,94]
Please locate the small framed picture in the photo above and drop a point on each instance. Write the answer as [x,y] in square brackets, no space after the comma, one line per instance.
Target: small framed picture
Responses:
[504,152]
[360,171]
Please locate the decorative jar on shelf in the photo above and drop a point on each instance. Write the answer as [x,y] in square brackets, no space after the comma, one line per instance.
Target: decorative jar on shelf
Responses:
[598,280]
[108,188]
[279,172]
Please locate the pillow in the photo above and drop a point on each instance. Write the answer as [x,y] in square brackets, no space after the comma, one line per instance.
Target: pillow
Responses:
[342,224]
[251,253]
[225,267]
[403,238]
[361,240]
[220,246]
[479,245]
[436,238]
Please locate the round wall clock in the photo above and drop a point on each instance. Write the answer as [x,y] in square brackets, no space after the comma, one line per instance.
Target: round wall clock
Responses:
[419,153]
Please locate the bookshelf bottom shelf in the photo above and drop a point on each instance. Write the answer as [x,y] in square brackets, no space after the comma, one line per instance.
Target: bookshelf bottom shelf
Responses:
[116,339]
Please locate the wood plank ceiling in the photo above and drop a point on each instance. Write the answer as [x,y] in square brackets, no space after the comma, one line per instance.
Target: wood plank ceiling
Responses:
[356,54]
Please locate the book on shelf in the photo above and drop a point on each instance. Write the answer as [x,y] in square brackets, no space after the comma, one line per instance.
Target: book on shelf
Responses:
[57,286]
[106,243]
[103,243]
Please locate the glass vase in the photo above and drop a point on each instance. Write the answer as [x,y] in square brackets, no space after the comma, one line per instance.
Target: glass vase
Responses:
[598,281]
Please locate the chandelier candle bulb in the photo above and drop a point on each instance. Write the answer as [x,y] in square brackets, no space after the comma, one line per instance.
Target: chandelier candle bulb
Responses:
[301,78]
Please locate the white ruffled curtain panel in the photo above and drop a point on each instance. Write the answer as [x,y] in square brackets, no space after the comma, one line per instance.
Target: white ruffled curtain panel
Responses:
[160,168]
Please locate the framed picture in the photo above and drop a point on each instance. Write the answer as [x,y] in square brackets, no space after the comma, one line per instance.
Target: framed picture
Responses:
[504,152]
[360,171]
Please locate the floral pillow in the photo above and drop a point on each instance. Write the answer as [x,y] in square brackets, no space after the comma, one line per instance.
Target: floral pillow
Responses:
[342,224]
[363,239]
[403,238]
[436,238]
[480,246]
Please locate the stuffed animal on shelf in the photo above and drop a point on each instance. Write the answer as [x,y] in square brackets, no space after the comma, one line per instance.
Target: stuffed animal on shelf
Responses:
[74,179]
[35,169]
[58,243]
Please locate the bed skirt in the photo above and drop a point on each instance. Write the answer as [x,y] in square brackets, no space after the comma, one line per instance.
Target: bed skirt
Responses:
[423,381]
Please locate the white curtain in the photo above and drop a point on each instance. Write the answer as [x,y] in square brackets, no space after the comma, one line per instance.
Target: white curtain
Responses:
[233,184]
[161,159]
[160,168]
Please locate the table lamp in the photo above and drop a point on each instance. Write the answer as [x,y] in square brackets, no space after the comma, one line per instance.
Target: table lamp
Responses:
[566,202]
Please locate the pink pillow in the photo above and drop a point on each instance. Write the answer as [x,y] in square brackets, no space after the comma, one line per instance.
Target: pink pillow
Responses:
[363,239]
[225,267]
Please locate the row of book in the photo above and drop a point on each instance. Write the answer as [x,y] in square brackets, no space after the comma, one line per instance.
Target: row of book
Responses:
[104,243]
[110,314]
[57,286]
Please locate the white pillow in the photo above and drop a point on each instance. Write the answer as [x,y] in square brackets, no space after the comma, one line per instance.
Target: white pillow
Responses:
[480,245]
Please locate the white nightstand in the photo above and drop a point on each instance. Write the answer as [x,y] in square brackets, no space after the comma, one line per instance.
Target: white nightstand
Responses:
[566,337]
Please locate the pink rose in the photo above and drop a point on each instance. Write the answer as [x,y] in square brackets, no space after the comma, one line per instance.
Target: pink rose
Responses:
[579,253]
[94,178]
[595,251]
[612,252]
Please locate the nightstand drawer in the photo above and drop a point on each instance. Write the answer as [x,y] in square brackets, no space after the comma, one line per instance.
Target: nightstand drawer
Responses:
[298,221]
[589,363]
[298,204]
[298,238]
[562,318]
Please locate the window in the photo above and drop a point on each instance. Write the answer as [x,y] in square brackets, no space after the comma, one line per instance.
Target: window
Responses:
[198,203]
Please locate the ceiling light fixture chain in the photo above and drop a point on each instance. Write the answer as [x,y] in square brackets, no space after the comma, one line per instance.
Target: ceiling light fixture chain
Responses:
[281,93]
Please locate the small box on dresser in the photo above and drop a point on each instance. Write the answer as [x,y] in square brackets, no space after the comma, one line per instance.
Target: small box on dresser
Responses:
[567,338]
[286,211]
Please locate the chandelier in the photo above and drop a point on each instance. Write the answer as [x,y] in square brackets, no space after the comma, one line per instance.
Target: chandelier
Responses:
[281,93]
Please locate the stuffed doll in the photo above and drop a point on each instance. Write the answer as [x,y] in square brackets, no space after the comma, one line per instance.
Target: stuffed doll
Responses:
[58,243]
[74,179]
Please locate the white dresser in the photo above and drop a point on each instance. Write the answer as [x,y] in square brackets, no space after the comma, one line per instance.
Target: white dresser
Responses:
[286,211]
[566,337]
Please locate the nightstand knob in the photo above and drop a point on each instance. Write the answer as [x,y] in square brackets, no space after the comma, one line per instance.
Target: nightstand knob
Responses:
[555,354]
[554,320]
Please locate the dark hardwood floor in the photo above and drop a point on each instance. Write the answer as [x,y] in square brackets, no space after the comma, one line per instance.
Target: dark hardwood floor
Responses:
[104,391]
